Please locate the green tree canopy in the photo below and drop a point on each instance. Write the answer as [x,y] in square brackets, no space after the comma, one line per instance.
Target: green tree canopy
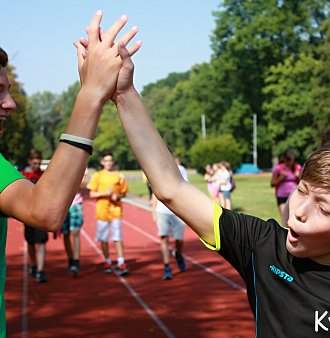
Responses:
[214,150]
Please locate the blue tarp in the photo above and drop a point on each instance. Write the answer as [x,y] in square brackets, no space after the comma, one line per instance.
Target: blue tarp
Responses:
[247,168]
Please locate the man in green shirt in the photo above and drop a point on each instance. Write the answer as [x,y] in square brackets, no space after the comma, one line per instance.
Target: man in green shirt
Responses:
[45,204]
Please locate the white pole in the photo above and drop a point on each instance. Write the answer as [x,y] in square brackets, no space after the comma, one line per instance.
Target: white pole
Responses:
[255,153]
[203,127]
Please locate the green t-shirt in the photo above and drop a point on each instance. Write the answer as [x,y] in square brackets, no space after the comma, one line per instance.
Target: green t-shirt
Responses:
[8,174]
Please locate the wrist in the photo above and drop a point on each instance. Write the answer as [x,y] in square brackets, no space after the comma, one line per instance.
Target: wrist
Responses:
[123,97]
[87,97]
[85,115]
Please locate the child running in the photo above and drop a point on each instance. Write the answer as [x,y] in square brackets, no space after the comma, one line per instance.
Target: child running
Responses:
[287,272]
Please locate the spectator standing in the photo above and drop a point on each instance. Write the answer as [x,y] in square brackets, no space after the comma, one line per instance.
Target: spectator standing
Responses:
[223,179]
[168,223]
[108,187]
[209,178]
[285,178]
[36,239]
[71,228]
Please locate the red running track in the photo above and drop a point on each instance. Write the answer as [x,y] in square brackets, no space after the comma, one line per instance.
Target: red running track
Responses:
[206,301]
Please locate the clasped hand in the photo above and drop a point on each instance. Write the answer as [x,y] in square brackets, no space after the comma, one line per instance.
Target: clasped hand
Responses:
[105,67]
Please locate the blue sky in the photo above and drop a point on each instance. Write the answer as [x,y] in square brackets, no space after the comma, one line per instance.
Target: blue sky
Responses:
[38,36]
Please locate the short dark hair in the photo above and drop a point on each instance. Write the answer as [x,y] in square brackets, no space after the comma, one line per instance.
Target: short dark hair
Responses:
[35,154]
[3,58]
[107,153]
[288,154]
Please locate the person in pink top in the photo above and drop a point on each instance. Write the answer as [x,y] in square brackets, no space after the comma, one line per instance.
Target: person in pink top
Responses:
[285,178]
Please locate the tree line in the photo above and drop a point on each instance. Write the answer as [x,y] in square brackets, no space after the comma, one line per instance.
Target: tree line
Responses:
[269,57]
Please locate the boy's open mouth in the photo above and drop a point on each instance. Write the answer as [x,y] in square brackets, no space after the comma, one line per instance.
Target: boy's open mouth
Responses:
[293,233]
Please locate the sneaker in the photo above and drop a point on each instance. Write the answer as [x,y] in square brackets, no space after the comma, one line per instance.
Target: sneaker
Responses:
[33,271]
[122,270]
[107,268]
[70,264]
[167,273]
[41,277]
[181,262]
[74,269]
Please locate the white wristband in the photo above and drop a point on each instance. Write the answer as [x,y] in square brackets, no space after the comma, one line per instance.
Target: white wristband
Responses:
[78,139]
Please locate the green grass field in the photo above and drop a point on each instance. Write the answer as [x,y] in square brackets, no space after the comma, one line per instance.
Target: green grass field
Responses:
[253,194]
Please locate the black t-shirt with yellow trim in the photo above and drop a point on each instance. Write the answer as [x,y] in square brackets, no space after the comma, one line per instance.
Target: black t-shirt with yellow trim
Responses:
[289,296]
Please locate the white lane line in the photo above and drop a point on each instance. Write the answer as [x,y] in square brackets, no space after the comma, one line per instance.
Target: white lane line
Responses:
[25,293]
[150,312]
[192,260]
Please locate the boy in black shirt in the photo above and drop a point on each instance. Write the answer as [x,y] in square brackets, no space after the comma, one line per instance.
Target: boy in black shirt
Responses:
[287,272]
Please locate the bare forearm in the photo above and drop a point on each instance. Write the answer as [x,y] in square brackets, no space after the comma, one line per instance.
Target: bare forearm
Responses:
[191,205]
[147,144]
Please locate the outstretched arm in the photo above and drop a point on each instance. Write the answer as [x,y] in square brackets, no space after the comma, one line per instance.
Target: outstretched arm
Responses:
[45,204]
[189,203]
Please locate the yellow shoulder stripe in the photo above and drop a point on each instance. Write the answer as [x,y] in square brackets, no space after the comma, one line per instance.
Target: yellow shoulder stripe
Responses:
[217,211]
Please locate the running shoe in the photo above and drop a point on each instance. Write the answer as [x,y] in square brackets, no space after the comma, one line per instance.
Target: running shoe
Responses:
[181,262]
[122,270]
[70,264]
[74,269]
[167,275]
[41,277]
[107,267]
[33,271]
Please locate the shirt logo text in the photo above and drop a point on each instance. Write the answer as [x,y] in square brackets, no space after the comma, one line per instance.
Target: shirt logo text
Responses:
[281,273]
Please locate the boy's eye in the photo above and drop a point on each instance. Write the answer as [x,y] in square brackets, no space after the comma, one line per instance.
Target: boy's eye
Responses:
[323,210]
[301,191]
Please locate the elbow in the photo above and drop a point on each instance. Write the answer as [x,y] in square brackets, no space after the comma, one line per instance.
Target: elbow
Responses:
[48,221]
[55,226]
[167,195]
[162,195]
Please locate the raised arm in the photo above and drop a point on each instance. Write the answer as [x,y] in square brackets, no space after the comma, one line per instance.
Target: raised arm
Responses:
[45,204]
[190,204]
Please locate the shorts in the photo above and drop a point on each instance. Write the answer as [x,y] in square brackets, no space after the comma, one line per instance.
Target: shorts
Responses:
[73,220]
[226,195]
[35,236]
[103,230]
[170,222]
[281,200]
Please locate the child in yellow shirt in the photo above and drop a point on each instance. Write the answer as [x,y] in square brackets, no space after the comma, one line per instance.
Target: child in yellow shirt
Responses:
[109,186]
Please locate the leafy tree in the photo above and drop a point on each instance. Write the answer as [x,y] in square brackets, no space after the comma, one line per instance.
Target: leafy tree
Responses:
[249,38]
[320,107]
[43,120]
[288,105]
[169,82]
[214,150]
[63,108]
[111,136]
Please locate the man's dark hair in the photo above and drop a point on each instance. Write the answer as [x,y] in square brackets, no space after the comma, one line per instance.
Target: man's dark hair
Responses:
[107,153]
[3,58]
